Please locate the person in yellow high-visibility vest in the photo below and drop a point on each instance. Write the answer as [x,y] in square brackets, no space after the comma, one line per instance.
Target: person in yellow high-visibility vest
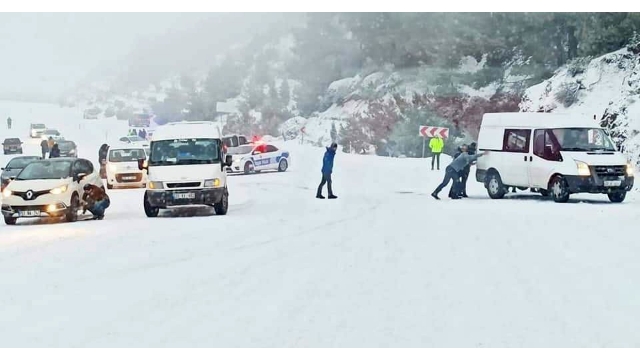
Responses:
[436,144]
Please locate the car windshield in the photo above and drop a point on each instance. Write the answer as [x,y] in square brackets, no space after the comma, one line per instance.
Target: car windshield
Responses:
[66,145]
[45,170]
[583,139]
[12,141]
[38,126]
[135,138]
[21,162]
[126,155]
[240,150]
[185,152]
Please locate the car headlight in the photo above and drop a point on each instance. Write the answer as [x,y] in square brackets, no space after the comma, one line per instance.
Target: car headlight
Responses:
[6,193]
[212,183]
[583,168]
[59,190]
[155,185]
[630,170]
[72,151]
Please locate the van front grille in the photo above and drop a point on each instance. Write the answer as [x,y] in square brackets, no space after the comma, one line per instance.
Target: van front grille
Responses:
[183,185]
[609,170]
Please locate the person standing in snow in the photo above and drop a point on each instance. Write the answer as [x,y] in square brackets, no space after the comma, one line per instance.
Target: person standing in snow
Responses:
[9,121]
[454,190]
[471,150]
[436,144]
[102,160]
[55,152]
[44,145]
[454,170]
[327,169]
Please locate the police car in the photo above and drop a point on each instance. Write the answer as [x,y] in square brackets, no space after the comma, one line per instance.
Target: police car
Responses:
[257,157]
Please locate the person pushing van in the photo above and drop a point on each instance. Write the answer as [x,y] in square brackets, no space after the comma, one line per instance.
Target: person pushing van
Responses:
[454,172]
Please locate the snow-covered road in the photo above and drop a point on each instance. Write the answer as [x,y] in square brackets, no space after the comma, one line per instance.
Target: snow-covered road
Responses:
[385,265]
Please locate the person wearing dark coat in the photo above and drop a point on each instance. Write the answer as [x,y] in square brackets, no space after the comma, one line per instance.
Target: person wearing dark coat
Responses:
[55,152]
[453,171]
[44,145]
[327,169]
[102,153]
[454,191]
[472,149]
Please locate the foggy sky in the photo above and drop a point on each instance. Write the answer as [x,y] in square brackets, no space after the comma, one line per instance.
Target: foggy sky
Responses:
[43,53]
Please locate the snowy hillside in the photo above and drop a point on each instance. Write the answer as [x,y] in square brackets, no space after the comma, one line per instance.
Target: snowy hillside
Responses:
[607,87]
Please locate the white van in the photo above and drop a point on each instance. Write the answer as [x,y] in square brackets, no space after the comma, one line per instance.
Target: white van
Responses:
[554,154]
[186,167]
[122,167]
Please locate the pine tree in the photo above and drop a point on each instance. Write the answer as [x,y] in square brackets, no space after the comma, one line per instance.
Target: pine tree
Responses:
[285,93]
[334,132]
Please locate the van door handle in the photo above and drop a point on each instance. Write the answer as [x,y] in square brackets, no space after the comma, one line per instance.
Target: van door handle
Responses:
[530,158]
[525,158]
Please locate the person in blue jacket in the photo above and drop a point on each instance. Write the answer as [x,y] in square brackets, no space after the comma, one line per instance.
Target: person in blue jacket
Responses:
[327,169]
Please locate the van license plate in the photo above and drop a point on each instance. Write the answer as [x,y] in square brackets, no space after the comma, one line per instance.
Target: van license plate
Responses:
[180,196]
[128,178]
[29,213]
[612,183]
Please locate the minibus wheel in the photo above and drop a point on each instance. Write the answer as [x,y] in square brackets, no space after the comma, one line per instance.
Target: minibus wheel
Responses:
[559,189]
[494,185]
[617,197]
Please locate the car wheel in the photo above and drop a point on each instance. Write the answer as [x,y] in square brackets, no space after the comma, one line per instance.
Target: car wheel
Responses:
[248,168]
[10,220]
[559,189]
[283,166]
[617,197]
[222,207]
[494,185]
[72,212]
[149,210]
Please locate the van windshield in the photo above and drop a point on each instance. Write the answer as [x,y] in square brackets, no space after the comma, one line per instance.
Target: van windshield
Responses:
[126,155]
[185,152]
[583,139]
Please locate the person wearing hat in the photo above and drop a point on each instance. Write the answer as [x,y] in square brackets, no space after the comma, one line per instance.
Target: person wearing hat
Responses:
[327,169]
[95,200]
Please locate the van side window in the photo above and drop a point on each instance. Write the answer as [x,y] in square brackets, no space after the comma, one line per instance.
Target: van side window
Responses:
[516,140]
[545,145]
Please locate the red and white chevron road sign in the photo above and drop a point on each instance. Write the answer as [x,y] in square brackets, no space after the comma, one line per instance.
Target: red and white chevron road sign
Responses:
[433,131]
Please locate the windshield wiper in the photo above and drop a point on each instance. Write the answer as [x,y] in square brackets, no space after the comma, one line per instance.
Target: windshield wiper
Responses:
[574,149]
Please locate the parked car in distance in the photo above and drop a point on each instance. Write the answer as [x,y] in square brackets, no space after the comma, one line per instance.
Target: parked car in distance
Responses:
[68,148]
[12,146]
[36,130]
